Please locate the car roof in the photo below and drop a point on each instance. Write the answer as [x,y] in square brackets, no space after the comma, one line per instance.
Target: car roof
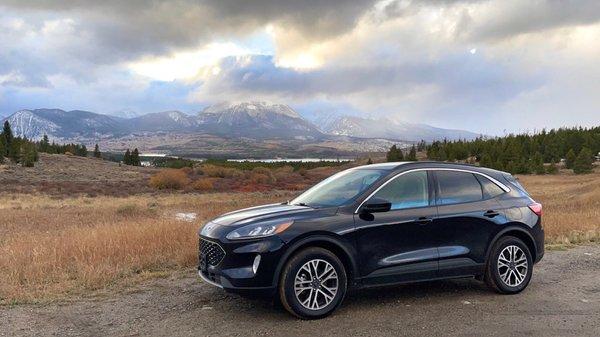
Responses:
[396,166]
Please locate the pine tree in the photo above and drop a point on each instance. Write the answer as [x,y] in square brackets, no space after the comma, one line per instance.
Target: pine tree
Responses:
[97,153]
[570,159]
[584,162]
[412,155]
[28,154]
[14,152]
[45,144]
[499,166]
[442,155]
[394,154]
[2,149]
[486,161]
[8,136]
[537,164]
[81,150]
[135,158]
[552,169]
[127,158]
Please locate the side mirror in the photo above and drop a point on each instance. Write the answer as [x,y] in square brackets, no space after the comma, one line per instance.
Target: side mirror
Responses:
[376,205]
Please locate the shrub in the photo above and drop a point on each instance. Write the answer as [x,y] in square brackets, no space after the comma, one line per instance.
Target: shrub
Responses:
[283,172]
[259,178]
[219,171]
[259,172]
[169,179]
[204,184]
[187,169]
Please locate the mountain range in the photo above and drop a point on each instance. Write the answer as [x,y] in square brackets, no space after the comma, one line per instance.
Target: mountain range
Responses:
[386,128]
[246,120]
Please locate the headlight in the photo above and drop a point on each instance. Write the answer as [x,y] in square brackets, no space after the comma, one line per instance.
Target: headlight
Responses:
[260,230]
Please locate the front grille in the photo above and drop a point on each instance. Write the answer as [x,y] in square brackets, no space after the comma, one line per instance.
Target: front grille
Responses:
[211,252]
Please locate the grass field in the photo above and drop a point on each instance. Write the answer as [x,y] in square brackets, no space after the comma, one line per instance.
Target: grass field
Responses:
[55,246]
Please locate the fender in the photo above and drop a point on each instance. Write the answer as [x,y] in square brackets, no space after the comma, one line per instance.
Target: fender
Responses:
[313,238]
[513,227]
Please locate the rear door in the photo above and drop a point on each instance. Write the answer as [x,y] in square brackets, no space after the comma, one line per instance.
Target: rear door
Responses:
[468,215]
[399,245]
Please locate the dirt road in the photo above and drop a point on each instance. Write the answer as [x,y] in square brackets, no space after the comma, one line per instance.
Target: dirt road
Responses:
[563,299]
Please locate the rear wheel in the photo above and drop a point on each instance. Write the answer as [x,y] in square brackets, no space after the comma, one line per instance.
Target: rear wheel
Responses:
[510,266]
[313,283]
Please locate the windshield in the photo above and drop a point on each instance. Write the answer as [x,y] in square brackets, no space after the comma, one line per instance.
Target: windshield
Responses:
[339,189]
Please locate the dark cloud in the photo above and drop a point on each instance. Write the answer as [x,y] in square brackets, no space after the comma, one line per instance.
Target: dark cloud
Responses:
[469,79]
[127,29]
[515,18]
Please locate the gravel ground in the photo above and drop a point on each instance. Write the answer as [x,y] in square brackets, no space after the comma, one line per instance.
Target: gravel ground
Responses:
[563,299]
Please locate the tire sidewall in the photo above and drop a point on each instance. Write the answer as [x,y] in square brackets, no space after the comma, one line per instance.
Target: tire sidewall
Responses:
[287,292]
[503,243]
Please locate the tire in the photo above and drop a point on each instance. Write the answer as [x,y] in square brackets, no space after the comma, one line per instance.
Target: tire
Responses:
[510,266]
[299,274]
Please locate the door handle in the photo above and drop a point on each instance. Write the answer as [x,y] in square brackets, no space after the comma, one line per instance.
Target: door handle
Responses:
[423,220]
[491,214]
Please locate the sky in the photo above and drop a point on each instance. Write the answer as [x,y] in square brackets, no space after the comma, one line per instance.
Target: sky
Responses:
[491,67]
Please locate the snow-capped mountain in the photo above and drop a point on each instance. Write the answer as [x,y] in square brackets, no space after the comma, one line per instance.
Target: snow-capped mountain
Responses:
[58,123]
[385,128]
[163,121]
[245,120]
[255,120]
[125,113]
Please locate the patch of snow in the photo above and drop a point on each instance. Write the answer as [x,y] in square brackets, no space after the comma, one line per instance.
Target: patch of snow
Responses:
[189,217]
[174,115]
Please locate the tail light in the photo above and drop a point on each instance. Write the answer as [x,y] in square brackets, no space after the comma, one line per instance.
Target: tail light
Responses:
[536,208]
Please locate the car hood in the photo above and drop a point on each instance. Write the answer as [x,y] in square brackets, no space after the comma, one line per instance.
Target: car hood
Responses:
[249,215]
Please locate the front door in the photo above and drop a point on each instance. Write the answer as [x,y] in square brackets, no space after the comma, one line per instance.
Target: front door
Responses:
[399,245]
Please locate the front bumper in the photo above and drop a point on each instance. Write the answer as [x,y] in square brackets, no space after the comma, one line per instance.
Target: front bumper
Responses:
[233,272]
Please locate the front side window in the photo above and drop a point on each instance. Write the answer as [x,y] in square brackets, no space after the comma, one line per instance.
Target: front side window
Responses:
[340,188]
[406,191]
[457,187]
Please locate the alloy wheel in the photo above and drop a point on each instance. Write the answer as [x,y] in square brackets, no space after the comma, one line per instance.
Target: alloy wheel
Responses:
[512,266]
[316,284]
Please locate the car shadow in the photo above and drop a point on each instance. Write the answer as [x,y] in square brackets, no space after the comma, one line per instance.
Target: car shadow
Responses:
[409,294]
[417,291]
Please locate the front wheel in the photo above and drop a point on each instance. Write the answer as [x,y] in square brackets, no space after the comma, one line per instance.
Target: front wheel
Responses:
[510,266]
[313,283]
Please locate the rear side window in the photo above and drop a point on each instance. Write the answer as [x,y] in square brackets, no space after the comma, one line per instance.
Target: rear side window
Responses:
[457,187]
[490,189]
[406,191]
[516,183]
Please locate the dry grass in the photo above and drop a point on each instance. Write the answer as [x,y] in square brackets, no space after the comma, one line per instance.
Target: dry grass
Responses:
[70,176]
[50,248]
[571,213]
[53,247]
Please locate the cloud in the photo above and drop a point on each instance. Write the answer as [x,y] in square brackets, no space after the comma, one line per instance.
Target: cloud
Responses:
[125,29]
[456,63]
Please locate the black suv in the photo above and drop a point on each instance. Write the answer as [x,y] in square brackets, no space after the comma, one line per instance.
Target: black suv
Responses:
[377,225]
